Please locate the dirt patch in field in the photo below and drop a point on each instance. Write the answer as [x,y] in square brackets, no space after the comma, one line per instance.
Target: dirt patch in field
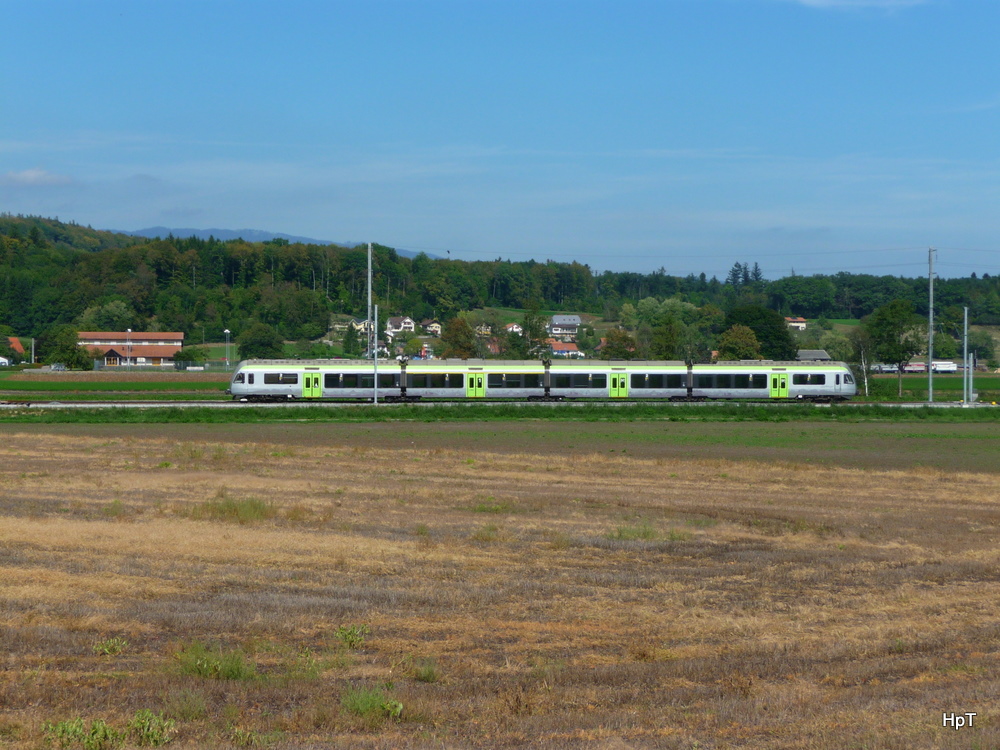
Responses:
[946,447]
[496,586]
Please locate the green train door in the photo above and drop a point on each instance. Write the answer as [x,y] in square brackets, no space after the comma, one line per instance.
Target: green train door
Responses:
[310,386]
[475,385]
[619,385]
[779,385]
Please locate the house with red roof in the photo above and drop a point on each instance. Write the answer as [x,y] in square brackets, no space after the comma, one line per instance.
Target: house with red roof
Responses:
[132,348]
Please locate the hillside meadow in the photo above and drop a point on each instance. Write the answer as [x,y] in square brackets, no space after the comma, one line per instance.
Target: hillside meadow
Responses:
[515,584]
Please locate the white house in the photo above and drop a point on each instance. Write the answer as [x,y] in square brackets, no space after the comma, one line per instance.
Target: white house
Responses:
[564,327]
[397,325]
[514,328]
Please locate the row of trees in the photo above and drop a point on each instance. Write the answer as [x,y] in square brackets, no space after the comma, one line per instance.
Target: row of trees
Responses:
[51,272]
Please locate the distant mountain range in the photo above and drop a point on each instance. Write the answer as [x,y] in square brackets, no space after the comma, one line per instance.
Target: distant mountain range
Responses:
[250,235]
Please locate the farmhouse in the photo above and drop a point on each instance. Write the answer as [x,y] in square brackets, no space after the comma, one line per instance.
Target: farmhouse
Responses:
[799,324]
[132,348]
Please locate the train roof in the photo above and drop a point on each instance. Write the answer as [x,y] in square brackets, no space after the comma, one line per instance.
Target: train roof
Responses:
[557,363]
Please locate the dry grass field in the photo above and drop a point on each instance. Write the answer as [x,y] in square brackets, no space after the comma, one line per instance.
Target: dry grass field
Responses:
[475,585]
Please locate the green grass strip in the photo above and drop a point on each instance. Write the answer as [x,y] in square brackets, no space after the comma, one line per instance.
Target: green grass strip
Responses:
[503,412]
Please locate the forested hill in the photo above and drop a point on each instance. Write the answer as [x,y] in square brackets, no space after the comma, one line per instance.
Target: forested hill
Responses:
[52,273]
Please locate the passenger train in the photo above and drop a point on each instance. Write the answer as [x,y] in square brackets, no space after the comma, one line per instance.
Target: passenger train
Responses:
[539,380]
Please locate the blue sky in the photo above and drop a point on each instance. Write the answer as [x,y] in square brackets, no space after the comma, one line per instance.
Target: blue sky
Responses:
[814,135]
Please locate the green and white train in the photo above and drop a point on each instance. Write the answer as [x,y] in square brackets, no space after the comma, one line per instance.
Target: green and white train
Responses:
[539,380]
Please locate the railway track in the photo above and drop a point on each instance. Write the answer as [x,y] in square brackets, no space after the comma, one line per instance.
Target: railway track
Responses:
[229,404]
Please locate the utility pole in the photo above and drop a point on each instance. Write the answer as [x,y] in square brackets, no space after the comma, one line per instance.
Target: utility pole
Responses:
[930,327]
[965,358]
[371,327]
[375,379]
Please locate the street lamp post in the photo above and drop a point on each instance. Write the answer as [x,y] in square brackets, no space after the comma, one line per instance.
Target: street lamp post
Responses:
[128,348]
[227,347]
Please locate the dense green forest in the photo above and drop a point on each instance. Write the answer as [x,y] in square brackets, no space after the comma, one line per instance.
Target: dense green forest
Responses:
[57,273]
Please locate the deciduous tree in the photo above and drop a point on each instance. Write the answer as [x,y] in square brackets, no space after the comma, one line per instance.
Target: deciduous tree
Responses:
[738,342]
[618,344]
[459,339]
[895,333]
[260,341]
[769,326]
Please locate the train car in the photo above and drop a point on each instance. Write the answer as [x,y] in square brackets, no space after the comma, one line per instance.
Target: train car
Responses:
[539,380]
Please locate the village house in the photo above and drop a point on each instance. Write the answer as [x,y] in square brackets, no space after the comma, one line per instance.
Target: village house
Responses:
[132,348]
[799,324]
[564,327]
[563,349]
[362,326]
[397,325]
[16,347]
[514,328]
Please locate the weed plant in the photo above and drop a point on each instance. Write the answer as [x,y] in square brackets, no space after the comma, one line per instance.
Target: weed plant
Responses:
[352,636]
[213,663]
[237,510]
[371,704]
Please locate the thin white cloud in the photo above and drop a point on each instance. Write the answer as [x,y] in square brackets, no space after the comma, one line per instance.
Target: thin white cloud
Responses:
[35,178]
[882,4]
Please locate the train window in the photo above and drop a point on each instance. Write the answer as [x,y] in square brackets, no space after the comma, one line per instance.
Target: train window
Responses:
[281,378]
[654,381]
[599,381]
[511,380]
[809,379]
[703,381]
[724,381]
[250,379]
[638,381]
[238,378]
[675,381]
[495,380]
[838,379]
[759,381]
[561,381]
[533,381]
[388,380]
[331,380]
[272,378]
[581,380]
[438,380]
[368,381]
[417,381]
[741,381]
[848,378]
